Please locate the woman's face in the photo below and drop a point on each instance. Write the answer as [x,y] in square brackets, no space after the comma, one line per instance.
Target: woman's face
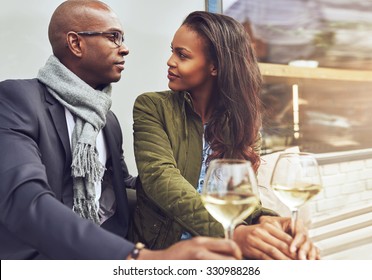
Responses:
[189,68]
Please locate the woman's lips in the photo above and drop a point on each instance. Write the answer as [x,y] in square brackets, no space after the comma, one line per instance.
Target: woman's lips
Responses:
[172,76]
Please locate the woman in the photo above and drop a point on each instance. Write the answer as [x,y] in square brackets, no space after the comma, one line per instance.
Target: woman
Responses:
[211,112]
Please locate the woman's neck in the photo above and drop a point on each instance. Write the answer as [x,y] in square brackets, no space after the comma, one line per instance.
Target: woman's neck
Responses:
[203,105]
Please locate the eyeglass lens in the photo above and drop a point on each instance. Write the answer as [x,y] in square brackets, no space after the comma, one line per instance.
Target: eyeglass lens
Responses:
[119,38]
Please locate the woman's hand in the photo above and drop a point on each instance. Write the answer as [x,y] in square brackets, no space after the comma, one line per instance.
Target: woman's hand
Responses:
[302,244]
[271,239]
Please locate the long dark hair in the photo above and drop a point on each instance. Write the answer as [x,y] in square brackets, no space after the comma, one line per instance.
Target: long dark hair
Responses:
[237,90]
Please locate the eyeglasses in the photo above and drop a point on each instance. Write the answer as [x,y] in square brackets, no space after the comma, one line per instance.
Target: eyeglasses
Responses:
[115,36]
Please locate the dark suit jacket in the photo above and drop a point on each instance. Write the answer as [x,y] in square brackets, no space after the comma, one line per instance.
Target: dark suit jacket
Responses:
[36,220]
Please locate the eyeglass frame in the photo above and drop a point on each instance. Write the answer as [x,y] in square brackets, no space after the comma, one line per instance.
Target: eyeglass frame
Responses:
[116,35]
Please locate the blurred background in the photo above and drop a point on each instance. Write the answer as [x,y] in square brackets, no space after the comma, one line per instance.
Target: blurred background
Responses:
[334,107]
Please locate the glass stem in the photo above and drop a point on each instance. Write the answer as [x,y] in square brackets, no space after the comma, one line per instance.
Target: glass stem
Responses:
[229,232]
[294,214]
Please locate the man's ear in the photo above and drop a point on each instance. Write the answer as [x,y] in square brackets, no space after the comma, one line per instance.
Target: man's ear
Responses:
[74,43]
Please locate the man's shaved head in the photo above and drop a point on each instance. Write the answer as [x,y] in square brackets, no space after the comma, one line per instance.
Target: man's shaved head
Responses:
[72,15]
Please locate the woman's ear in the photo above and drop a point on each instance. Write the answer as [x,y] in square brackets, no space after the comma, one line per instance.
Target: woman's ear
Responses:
[74,43]
[213,70]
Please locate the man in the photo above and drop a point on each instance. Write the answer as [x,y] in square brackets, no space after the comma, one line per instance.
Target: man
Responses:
[61,151]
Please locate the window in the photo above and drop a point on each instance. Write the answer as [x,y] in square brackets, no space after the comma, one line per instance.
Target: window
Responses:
[316,59]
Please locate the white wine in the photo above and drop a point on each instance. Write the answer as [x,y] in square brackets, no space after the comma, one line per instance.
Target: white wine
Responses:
[296,195]
[230,208]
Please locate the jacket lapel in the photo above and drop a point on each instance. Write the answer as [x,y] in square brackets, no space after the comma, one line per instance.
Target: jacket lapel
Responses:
[58,117]
[109,139]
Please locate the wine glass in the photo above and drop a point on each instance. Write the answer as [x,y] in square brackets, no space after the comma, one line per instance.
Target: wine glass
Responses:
[229,192]
[295,180]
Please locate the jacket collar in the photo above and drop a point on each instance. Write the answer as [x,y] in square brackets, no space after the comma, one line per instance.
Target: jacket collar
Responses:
[187,106]
[187,102]
[57,112]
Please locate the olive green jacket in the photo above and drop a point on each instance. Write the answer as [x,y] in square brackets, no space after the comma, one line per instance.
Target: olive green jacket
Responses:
[168,150]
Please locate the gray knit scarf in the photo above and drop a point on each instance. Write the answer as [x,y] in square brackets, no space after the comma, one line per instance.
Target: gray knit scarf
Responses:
[90,108]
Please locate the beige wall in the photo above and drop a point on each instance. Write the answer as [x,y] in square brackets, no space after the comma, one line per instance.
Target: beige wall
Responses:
[347,184]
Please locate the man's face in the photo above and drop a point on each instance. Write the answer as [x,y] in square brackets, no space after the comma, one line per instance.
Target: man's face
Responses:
[102,60]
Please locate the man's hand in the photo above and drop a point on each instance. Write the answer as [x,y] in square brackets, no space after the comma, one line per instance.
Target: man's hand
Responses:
[198,248]
[270,239]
